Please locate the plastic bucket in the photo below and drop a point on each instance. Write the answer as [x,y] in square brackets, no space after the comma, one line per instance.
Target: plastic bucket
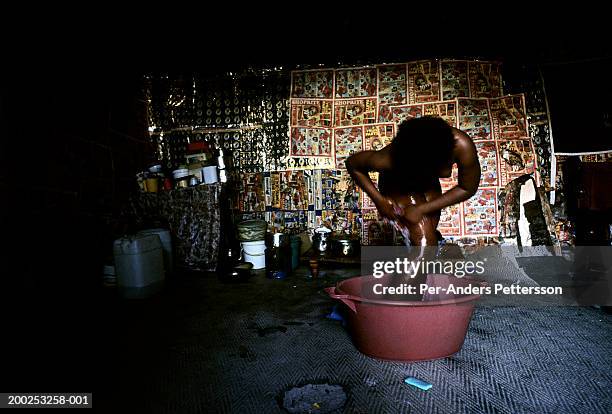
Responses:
[255,252]
[406,330]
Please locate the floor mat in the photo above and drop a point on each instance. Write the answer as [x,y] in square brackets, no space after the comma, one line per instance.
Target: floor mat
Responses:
[204,346]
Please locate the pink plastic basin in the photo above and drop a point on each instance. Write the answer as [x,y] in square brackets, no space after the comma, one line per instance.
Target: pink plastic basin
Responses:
[406,330]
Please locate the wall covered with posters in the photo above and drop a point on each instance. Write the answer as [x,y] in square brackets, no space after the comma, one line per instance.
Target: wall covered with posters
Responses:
[312,120]
[337,112]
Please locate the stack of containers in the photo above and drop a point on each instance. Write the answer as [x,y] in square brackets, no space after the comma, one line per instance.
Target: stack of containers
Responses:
[252,235]
[181,177]
[198,157]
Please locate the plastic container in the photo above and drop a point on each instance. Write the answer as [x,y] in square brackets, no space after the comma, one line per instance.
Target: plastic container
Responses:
[180,173]
[139,265]
[152,185]
[255,252]
[166,240]
[222,176]
[406,330]
[209,174]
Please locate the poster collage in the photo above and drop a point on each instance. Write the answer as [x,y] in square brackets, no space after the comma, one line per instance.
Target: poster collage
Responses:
[337,112]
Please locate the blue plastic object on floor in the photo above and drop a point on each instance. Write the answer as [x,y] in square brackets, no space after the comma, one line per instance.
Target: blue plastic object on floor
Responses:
[418,383]
[335,315]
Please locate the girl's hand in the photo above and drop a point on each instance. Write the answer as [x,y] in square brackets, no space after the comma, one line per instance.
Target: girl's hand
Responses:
[389,209]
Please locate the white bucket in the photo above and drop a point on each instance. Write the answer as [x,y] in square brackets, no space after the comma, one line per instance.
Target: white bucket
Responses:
[210,174]
[255,252]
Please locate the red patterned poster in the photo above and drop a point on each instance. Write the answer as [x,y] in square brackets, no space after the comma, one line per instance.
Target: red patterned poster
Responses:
[370,215]
[450,182]
[355,83]
[392,85]
[335,113]
[366,201]
[378,136]
[480,213]
[450,221]
[485,79]
[293,192]
[313,142]
[349,112]
[474,118]
[312,84]
[398,114]
[375,232]
[311,112]
[423,81]
[347,142]
[454,79]
[384,113]
[487,155]
[444,110]
[509,117]
[251,194]
[516,157]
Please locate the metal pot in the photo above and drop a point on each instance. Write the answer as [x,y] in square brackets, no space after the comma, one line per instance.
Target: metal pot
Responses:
[319,239]
[346,246]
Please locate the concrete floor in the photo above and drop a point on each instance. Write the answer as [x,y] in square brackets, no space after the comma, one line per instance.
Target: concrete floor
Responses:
[205,346]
